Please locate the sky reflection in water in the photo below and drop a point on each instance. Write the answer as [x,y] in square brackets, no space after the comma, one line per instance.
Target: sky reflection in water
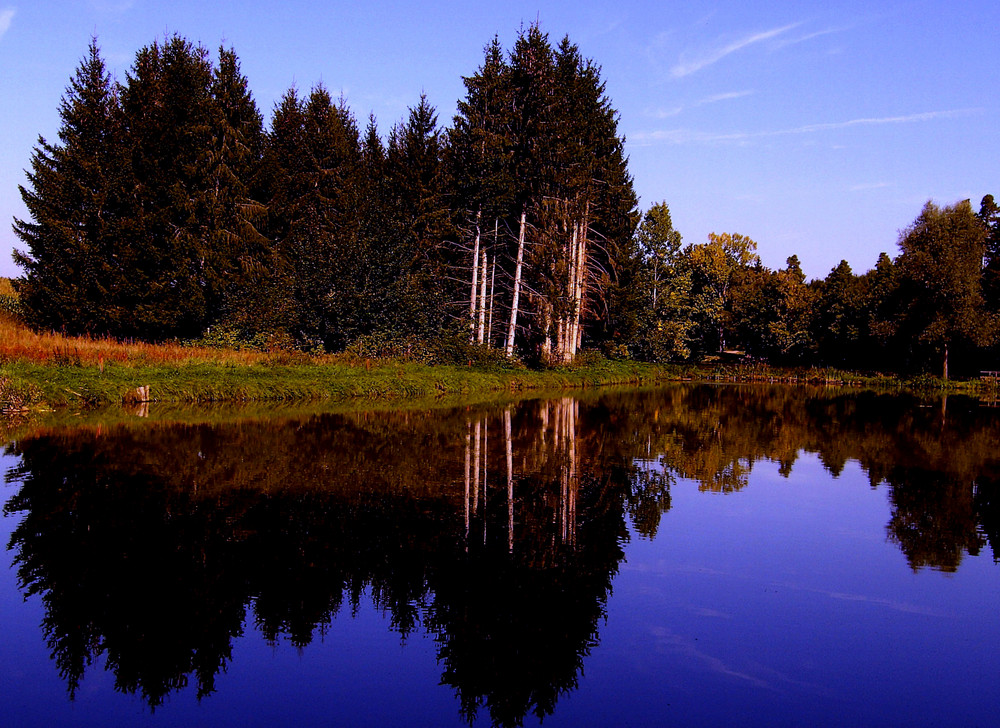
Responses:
[695,555]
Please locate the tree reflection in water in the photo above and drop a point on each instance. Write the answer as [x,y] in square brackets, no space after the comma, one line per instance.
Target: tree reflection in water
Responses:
[497,529]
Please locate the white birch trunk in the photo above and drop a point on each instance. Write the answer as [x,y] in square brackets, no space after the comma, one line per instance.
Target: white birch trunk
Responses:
[493,288]
[581,277]
[574,279]
[482,303]
[475,281]
[509,349]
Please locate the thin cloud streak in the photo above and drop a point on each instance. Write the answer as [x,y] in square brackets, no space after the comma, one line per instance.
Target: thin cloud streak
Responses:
[724,97]
[6,18]
[676,110]
[686,68]
[808,36]
[870,186]
[683,136]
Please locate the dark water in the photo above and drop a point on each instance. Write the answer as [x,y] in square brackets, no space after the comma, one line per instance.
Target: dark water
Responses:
[688,556]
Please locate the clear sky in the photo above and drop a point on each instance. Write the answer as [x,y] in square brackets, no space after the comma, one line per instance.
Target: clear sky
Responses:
[817,129]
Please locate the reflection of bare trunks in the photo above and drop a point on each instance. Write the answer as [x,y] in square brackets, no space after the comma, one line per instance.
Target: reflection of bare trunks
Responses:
[468,437]
[475,466]
[510,480]
[553,445]
[565,445]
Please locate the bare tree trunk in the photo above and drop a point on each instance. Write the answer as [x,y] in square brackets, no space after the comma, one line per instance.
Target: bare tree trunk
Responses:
[945,375]
[493,288]
[482,303]
[581,276]
[517,286]
[475,278]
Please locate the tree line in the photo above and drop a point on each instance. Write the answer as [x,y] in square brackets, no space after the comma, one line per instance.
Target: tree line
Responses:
[167,210]
[938,299]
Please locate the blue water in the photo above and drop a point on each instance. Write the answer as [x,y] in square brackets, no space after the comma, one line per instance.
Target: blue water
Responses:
[785,602]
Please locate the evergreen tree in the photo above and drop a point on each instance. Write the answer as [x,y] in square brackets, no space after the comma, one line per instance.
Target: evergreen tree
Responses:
[176,278]
[878,291]
[989,216]
[314,162]
[480,159]
[837,326]
[75,238]
[417,173]
[236,216]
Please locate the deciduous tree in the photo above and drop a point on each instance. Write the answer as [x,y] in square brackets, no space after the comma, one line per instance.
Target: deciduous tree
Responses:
[941,266]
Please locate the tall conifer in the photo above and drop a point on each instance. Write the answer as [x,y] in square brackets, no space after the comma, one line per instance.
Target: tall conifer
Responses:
[75,200]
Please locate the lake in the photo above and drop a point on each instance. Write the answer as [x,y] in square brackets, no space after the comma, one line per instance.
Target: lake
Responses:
[690,555]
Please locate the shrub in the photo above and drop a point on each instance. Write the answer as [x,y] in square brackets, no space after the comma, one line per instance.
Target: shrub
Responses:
[16,395]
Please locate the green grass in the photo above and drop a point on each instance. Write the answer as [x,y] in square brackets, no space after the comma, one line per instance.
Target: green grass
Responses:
[88,386]
[27,386]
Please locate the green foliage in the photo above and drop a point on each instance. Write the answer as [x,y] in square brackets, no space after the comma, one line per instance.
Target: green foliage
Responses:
[941,304]
[10,306]
[714,267]
[665,285]
[449,348]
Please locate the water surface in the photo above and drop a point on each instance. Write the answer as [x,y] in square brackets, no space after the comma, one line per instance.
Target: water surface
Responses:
[692,555]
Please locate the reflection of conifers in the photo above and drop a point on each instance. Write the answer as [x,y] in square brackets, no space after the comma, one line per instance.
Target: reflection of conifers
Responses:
[147,545]
[517,615]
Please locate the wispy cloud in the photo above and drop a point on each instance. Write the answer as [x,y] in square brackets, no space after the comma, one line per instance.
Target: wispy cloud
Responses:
[6,18]
[729,96]
[686,67]
[808,36]
[684,136]
[716,98]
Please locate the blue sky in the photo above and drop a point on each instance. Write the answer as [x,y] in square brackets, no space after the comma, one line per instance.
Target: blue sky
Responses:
[817,129]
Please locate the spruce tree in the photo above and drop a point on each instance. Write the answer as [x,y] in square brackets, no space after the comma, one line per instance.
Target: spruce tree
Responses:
[420,187]
[175,275]
[238,250]
[314,160]
[75,199]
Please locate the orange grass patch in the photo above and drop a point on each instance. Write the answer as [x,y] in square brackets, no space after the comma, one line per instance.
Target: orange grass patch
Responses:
[18,343]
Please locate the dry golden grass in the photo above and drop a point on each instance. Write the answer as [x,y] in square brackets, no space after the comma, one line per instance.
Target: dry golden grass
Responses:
[18,343]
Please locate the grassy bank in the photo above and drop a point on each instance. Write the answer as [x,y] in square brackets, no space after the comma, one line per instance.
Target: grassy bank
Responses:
[29,385]
[47,371]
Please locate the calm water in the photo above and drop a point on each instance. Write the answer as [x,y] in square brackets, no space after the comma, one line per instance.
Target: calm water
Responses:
[688,556]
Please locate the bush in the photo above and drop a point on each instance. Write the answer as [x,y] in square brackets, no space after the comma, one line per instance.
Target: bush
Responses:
[448,348]
[231,338]
[16,395]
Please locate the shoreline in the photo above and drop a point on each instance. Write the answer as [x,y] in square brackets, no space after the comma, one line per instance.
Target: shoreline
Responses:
[27,387]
